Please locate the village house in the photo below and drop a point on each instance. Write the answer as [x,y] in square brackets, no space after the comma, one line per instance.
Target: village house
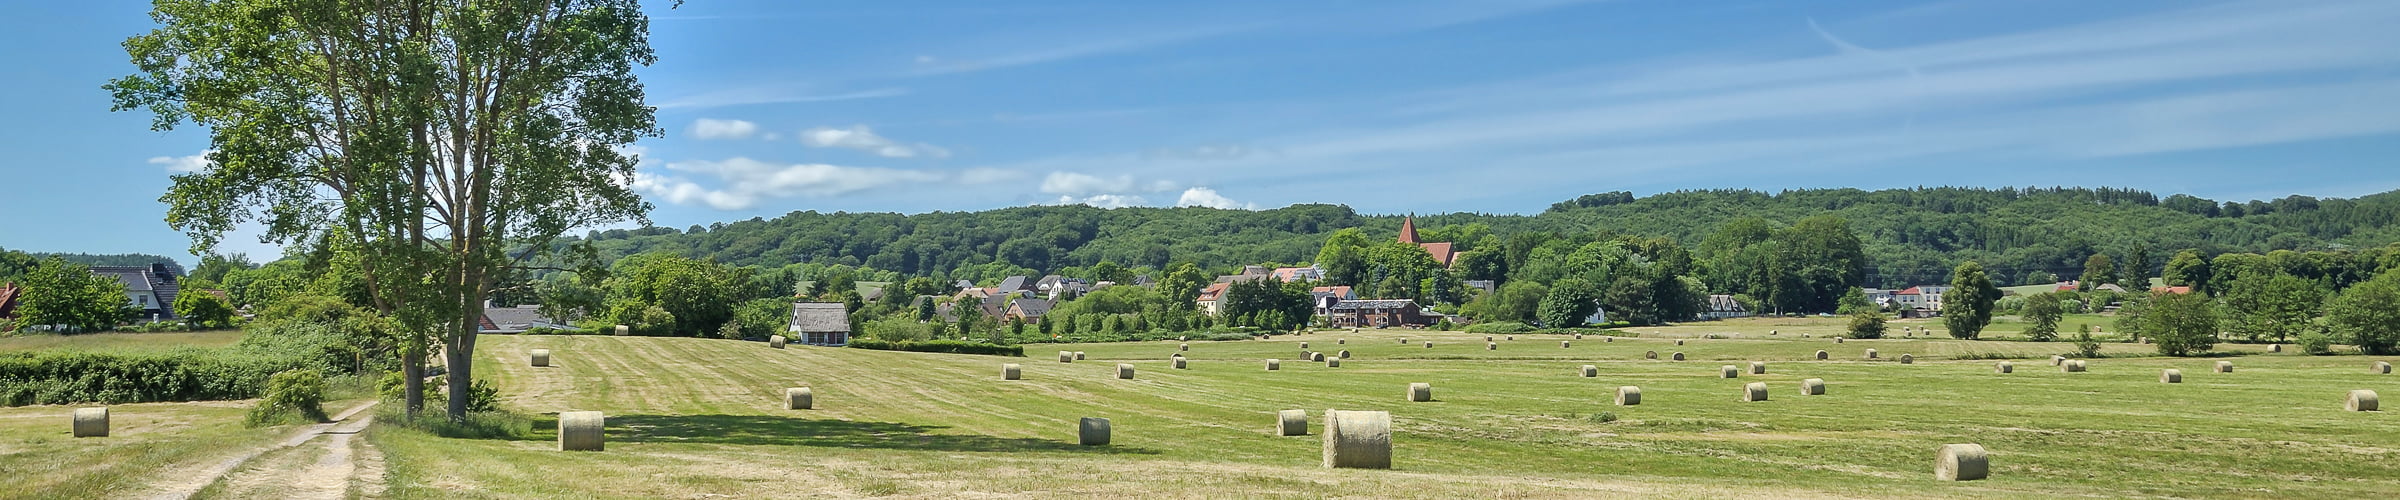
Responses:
[819,323]
[1378,313]
[1297,274]
[1723,307]
[1441,252]
[1326,296]
[517,319]
[1208,296]
[151,289]
[1920,301]
[1028,310]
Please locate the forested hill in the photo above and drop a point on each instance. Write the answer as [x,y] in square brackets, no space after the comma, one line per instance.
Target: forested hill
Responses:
[1911,235]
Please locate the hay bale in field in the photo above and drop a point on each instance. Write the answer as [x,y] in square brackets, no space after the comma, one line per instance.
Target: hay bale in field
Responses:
[541,357]
[2224,367]
[1403,340]
[2072,366]
[1678,341]
[1629,395]
[1837,340]
[2056,360]
[1341,341]
[2004,367]
[91,422]
[1420,392]
[1428,344]
[623,330]
[1354,330]
[1512,337]
[1358,439]
[1010,371]
[1333,362]
[582,431]
[1758,368]
[1608,339]
[1649,354]
[799,398]
[1183,347]
[2274,347]
[1756,391]
[1092,431]
[1487,338]
[1303,345]
[1316,357]
[1591,371]
[1871,354]
[1291,423]
[1274,364]
[1774,332]
[1124,371]
[2170,376]
[2361,400]
[1961,462]
[1079,355]
[1728,371]
[1564,345]
[775,341]
[1906,359]
[1579,336]
[1183,338]
[1066,356]
[1678,357]
[1179,363]
[1345,354]
[1822,355]
[2381,368]
[1491,346]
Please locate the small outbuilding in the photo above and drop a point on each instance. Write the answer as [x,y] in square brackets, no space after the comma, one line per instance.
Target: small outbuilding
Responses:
[820,323]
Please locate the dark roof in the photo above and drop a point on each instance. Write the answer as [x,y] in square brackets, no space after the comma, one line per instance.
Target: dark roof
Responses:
[1032,308]
[1349,305]
[516,319]
[155,280]
[1013,283]
[819,317]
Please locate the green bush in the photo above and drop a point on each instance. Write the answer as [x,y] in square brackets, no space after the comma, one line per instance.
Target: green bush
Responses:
[1866,325]
[1499,327]
[2316,342]
[948,346]
[293,396]
[62,377]
[544,330]
[2086,346]
[477,425]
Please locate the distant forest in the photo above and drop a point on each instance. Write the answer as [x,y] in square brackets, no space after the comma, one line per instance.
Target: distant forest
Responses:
[1911,236]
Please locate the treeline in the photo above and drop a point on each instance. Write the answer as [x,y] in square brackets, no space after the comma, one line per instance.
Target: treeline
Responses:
[1908,236]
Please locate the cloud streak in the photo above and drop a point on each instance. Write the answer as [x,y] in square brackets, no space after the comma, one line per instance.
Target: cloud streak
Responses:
[861,138]
[746,182]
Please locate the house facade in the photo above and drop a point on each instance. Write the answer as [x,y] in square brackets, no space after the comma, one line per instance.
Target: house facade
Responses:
[1724,307]
[819,323]
[150,289]
[1378,313]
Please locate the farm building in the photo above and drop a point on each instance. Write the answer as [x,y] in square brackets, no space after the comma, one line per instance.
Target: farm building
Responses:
[516,319]
[820,323]
[1722,307]
[1378,313]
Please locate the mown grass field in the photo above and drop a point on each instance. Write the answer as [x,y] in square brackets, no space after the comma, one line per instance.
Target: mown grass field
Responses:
[692,418]
[148,444]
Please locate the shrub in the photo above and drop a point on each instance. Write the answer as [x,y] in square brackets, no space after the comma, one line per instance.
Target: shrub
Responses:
[1866,325]
[62,377]
[2086,346]
[1443,325]
[293,396]
[1604,417]
[2182,324]
[948,346]
[2316,342]
[544,330]
[1499,327]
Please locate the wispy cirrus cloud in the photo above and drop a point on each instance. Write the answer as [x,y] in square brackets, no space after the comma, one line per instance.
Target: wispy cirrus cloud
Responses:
[862,138]
[772,94]
[184,164]
[713,129]
[743,183]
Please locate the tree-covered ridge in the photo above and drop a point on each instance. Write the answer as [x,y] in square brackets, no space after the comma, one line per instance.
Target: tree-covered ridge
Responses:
[1911,236]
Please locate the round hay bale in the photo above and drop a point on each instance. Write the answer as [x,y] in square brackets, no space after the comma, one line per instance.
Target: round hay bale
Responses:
[1354,330]
[91,422]
[2274,347]
[2170,376]
[2004,367]
[1564,345]
[2224,367]
[1079,355]
[1179,363]
[1358,439]
[1345,354]
[1961,462]
[1871,354]
[1812,387]
[1092,431]
[1183,338]
[1420,392]
[1183,347]
[2381,368]
[1756,391]
[1491,346]
[2361,400]
[1303,345]
[1428,344]
[1629,395]
[1333,362]
[1291,423]
[775,341]
[1822,355]
[1677,356]
[1579,336]
[2056,360]
[2072,366]
[799,398]
[1403,340]
[1487,338]
[1010,371]
[1316,357]
[1591,371]
[1066,356]
[1649,354]
[1774,332]
[1678,341]
[1274,364]
[1758,368]
[541,357]
[582,431]
[1124,371]
[1608,339]
[1341,341]
[1728,371]
[623,330]
[1511,337]
[1906,359]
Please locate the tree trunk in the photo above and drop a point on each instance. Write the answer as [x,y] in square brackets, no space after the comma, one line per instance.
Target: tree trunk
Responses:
[461,359]
[412,371]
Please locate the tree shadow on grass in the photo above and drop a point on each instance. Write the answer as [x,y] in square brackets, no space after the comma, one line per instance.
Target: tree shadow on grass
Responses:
[788,431]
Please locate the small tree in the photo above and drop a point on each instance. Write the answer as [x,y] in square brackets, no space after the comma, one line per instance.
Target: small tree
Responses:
[1867,325]
[2182,324]
[1569,303]
[203,309]
[2085,345]
[1967,306]
[2042,312]
[58,292]
[2369,314]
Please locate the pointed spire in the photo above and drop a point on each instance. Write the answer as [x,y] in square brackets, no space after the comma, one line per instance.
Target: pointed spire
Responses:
[1408,229]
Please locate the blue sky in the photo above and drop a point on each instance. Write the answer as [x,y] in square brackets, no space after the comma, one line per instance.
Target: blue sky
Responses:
[1388,106]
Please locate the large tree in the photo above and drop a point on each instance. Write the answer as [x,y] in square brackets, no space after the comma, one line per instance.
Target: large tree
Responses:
[1967,306]
[2181,324]
[2096,271]
[57,292]
[2369,314]
[424,136]
[2271,305]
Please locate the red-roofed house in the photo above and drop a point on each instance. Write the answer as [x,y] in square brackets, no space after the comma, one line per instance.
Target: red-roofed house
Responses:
[1208,297]
[2171,289]
[1441,251]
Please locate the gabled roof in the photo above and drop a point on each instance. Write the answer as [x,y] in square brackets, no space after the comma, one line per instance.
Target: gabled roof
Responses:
[1408,229]
[1724,303]
[1030,308]
[1349,305]
[1337,291]
[1213,291]
[1014,283]
[1441,252]
[811,317]
[515,319]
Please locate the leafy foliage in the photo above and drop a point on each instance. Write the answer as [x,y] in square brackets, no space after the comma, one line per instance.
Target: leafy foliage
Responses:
[57,292]
[292,396]
[2181,324]
[62,377]
[948,346]
[1867,325]
[2042,312]
[1967,306]
[2369,314]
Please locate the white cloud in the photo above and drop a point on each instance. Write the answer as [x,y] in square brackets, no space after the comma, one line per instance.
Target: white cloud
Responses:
[746,182]
[771,94]
[184,164]
[861,138]
[987,175]
[710,128]
[1205,197]
[1104,201]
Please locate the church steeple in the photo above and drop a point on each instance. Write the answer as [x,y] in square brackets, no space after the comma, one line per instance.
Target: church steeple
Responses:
[1408,229]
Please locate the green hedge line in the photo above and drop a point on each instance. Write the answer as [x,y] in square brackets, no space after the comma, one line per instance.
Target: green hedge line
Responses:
[62,377]
[949,346]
